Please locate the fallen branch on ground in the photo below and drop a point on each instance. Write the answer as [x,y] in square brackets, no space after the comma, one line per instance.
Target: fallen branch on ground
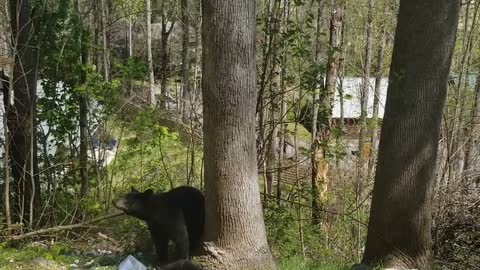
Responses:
[104,236]
[61,228]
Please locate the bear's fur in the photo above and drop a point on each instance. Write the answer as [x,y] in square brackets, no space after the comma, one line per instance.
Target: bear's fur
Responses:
[177,215]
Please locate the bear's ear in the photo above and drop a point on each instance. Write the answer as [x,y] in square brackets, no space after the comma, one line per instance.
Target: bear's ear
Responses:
[133,189]
[148,192]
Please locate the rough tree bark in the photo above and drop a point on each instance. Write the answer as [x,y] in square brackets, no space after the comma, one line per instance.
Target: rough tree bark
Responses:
[399,231]
[235,237]
[26,201]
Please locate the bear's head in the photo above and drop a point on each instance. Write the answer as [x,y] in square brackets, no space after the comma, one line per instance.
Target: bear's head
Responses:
[136,203]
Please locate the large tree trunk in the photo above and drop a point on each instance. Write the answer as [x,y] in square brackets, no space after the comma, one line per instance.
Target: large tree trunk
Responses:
[235,237]
[399,232]
[22,132]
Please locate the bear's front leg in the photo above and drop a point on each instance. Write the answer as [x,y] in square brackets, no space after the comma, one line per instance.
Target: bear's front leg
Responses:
[161,244]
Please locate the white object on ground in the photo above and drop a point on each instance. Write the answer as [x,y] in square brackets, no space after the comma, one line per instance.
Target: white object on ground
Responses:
[131,263]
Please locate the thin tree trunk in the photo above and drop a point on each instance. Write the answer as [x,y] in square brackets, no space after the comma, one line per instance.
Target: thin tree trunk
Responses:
[399,231]
[234,219]
[316,150]
[455,146]
[341,73]
[106,60]
[83,104]
[130,37]
[6,82]
[376,103]
[261,93]
[165,58]
[274,85]
[364,92]
[461,147]
[130,52]
[272,143]
[320,165]
[283,105]
[151,76]
[186,104]
[472,131]
[97,35]
[195,96]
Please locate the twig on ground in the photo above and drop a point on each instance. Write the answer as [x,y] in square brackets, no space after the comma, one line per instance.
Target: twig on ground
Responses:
[61,228]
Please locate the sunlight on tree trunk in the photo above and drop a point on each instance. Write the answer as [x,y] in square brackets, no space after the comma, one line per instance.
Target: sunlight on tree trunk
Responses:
[320,164]
[151,77]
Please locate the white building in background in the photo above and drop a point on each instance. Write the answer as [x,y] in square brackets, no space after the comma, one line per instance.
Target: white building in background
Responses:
[351,101]
[103,154]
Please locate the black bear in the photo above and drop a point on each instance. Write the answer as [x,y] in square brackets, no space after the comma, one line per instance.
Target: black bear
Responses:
[182,265]
[177,215]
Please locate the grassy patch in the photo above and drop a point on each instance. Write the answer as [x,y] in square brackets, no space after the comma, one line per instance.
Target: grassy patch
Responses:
[302,133]
[55,256]
[298,263]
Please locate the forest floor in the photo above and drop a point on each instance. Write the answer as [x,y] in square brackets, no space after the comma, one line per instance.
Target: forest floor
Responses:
[40,255]
[48,256]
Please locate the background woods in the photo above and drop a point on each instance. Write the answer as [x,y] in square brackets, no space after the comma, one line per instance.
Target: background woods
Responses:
[276,109]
